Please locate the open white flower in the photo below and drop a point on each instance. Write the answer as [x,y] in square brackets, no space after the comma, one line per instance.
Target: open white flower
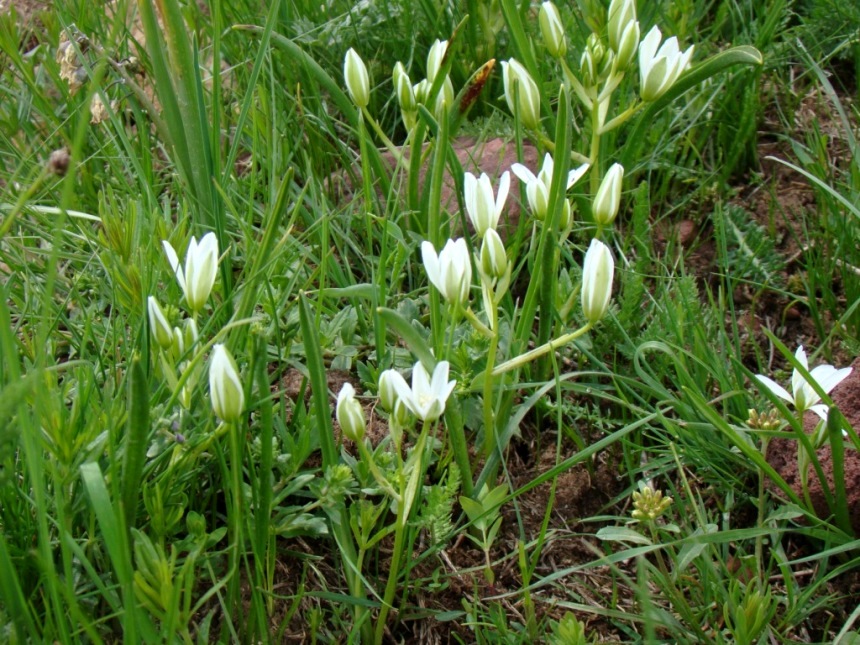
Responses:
[659,69]
[485,209]
[538,187]
[803,396]
[201,267]
[450,271]
[428,396]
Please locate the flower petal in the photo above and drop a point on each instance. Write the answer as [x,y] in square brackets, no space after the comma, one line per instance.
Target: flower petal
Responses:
[523,173]
[774,387]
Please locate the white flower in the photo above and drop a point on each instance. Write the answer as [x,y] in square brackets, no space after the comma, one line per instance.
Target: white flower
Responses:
[803,396]
[608,197]
[538,187]
[482,207]
[357,80]
[427,398]
[201,267]
[597,273]
[225,388]
[658,70]
[521,93]
[450,271]
[350,414]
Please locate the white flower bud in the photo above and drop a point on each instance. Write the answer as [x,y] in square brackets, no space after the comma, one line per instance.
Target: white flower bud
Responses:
[627,47]
[621,14]
[225,388]
[608,197]
[357,80]
[597,273]
[350,414]
[521,93]
[435,58]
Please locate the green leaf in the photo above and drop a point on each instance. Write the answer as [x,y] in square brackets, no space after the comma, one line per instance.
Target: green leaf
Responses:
[410,336]
[743,55]
[622,534]
[319,384]
[137,435]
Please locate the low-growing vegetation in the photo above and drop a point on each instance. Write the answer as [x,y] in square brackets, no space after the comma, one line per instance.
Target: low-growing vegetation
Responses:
[479,322]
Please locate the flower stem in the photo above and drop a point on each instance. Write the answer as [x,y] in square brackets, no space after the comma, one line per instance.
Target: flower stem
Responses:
[537,352]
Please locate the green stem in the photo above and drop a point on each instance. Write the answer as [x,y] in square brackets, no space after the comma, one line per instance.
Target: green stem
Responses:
[489,419]
[537,352]
[594,153]
[477,324]
[389,145]
[759,541]
[235,512]
[384,484]
[408,491]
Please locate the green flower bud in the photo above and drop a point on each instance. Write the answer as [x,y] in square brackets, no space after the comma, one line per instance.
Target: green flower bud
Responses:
[552,30]
[494,258]
[158,324]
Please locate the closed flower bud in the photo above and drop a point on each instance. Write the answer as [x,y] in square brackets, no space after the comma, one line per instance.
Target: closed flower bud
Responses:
[158,324]
[357,80]
[178,347]
[350,414]
[621,14]
[403,89]
[445,99]
[566,213]
[627,47]
[608,197]
[521,93]
[597,273]
[225,388]
[390,382]
[494,258]
[552,30]
[435,58]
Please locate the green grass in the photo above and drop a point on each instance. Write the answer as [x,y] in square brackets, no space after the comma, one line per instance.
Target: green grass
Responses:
[129,511]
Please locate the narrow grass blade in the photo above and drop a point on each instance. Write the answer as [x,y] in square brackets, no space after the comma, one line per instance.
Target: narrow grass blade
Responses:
[137,434]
